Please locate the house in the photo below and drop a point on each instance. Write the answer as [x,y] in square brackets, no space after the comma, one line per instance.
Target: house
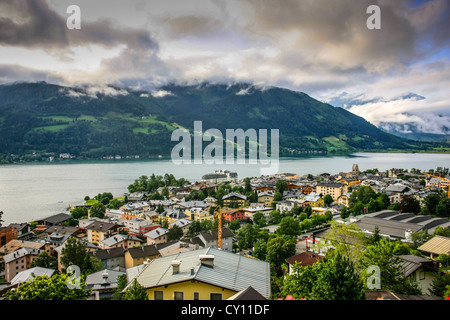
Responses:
[313,199]
[247,294]
[204,274]
[15,245]
[199,214]
[304,188]
[136,197]
[220,176]
[211,200]
[251,210]
[54,220]
[230,214]
[23,230]
[7,234]
[395,192]
[234,199]
[120,240]
[303,259]
[396,225]
[286,205]
[292,194]
[27,275]
[17,261]
[103,283]
[113,258]
[138,227]
[350,181]
[210,238]
[343,199]
[172,215]
[333,189]
[435,246]
[138,255]
[265,196]
[420,270]
[158,235]
[99,231]
[57,239]
[182,223]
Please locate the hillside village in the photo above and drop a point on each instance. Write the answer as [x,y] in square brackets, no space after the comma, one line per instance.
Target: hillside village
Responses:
[224,238]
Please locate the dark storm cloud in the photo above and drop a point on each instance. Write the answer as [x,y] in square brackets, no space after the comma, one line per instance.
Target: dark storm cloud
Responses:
[33,24]
[13,73]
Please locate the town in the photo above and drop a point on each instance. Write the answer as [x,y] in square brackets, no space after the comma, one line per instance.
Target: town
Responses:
[357,235]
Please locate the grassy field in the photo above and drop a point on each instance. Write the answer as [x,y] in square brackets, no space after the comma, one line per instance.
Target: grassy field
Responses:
[145,125]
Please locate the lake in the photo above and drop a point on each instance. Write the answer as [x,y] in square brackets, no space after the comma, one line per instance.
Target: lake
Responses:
[36,190]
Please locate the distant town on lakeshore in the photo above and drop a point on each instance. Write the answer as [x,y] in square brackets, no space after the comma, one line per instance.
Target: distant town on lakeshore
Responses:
[225,238]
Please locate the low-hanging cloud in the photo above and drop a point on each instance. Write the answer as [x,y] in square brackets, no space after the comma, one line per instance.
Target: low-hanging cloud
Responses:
[320,47]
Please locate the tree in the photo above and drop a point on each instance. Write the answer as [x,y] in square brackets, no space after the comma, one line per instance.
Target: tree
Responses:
[135,292]
[248,186]
[234,225]
[383,201]
[175,233]
[440,285]
[333,278]
[260,251]
[409,204]
[98,210]
[308,211]
[115,204]
[338,279]
[194,228]
[289,226]
[79,212]
[375,237]
[300,283]
[419,237]
[385,255]
[259,219]
[49,288]
[431,202]
[279,248]
[328,199]
[121,284]
[278,196]
[43,260]
[75,253]
[347,239]
[275,216]
[165,192]
[280,186]
[344,213]
[443,207]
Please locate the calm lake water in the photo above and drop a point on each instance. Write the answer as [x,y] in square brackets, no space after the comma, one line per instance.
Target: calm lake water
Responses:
[32,191]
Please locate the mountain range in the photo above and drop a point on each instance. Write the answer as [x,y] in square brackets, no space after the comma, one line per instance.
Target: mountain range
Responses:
[39,119]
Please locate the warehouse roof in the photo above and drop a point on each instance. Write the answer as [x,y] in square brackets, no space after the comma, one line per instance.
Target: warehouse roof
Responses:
[436,245]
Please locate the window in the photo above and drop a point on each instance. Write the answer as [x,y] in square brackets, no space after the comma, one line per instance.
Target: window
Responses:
[421,275]
[178,295]
[158,295]
[215,296]
[196,295]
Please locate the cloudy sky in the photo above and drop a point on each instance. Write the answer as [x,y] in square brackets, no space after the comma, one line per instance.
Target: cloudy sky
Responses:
[399,73]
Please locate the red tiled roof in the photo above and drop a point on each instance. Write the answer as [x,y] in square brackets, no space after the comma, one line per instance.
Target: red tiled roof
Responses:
[304,259]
